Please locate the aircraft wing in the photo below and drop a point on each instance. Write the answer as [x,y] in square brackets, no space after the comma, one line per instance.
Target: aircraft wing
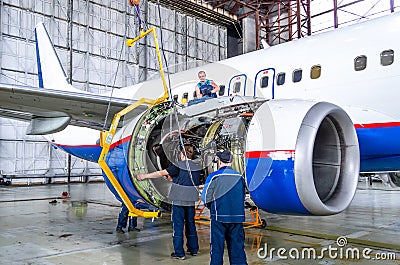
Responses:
[52,110]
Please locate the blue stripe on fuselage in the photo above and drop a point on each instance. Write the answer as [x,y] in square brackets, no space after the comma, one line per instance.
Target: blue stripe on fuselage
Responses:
[89,152]
[272,185]
[39,65]
[116,160]
[379,148]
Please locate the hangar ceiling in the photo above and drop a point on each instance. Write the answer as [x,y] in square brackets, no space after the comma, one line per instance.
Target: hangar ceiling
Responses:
[278,21]
[201,9]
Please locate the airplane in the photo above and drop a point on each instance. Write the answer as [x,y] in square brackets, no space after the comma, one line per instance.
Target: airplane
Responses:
[302,118]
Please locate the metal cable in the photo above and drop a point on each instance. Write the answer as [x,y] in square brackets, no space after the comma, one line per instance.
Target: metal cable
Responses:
[184,150]
[115,77]
[162,49]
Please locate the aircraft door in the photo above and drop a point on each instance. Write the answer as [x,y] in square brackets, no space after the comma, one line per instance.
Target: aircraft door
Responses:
[237,85]
[265,83]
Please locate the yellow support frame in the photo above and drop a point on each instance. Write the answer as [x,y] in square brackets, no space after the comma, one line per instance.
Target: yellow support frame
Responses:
[106,137]
[142,34]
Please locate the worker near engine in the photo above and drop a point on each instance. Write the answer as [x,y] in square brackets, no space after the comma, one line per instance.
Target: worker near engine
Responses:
[224,193]
[185,176]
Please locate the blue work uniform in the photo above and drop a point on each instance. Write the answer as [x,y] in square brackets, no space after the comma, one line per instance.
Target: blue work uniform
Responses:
[224,193]
[206,88]
[184,194]
[123,218]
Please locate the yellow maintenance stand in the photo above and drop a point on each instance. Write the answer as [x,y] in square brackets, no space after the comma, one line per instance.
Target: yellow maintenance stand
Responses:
[255,218]
[106,137]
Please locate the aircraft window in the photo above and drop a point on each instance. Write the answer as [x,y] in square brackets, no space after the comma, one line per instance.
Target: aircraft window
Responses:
[264,82]
[297,74]
[387,57]
[236,87]
[315,71]
[360,63]
[280,79]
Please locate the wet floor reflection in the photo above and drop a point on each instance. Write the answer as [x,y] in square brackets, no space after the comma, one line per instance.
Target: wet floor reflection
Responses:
[77,210]
[82,228]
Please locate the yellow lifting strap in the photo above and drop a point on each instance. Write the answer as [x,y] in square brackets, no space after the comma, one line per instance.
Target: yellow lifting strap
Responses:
[106,137]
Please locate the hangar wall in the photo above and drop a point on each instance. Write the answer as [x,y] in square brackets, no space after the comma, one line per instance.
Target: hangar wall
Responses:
[99,61]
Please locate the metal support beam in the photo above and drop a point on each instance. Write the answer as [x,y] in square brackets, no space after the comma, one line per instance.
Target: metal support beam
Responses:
[335,14]
[176,62]
[185,40]
[196,45]
[290,16]
[308,16]
[219,42]
[69,168]
[124,50]
[1,36]
[87,46]
[257,29]
[146,46]
[69,38]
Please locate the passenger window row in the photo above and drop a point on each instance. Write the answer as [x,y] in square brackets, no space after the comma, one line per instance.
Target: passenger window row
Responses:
[298,75]
[281,78]
[360,63]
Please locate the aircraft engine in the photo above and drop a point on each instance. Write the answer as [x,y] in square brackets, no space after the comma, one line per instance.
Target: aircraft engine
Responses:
[298,157]
[302,157]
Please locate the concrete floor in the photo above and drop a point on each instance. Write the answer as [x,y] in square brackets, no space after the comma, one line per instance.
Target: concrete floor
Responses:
[81,230]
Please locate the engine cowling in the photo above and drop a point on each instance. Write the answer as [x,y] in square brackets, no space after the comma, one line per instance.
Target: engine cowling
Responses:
[298,157]
[302,157]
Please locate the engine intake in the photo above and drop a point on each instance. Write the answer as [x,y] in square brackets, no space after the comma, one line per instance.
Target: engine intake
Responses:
[309,163]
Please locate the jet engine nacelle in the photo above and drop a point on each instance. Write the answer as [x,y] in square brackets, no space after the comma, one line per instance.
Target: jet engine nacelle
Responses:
[298,157]
[302,157]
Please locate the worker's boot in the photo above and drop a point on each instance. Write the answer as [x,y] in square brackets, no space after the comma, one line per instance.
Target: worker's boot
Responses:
[133,229]
[119,230]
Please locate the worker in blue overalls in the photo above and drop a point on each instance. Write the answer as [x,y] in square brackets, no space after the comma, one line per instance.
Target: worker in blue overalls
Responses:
[185,176]
[224,193]
[119,169]
[123,220]
[206,87]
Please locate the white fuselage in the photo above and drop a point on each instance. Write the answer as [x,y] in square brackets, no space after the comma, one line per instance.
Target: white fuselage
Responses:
[368,96]
[372,91]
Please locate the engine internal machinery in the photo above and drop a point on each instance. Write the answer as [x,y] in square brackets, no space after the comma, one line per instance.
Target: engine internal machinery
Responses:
[161,131]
